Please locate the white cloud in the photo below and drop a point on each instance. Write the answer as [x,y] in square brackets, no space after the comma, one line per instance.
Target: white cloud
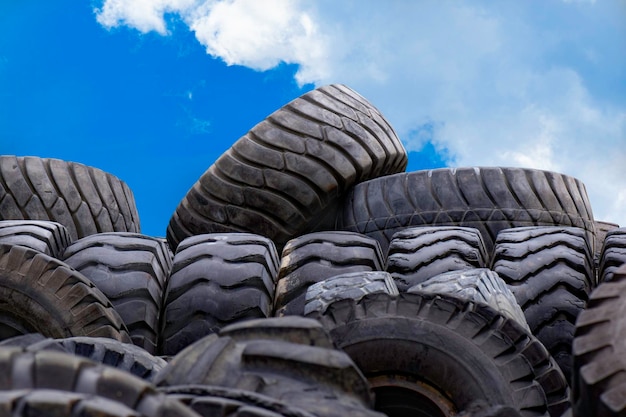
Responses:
[492,83]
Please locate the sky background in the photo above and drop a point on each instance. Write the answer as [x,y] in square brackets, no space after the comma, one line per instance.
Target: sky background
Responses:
[154,91]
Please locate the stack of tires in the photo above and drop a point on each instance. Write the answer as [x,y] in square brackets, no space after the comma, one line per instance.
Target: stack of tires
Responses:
[306,274]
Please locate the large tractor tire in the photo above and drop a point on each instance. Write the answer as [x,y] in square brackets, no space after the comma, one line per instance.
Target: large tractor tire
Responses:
[50,238]
[285,177]
[613,254]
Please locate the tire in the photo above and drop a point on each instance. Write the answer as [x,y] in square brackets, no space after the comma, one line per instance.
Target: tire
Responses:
[488,199]
[613,254]
[550,272]
[320,380]
[316,256]
[285,177]
[40,294]
[68,373]
[131,270]
[602,228]
[479,285]
[599,352]
[47,237]
[438,354]
[217,280]
[86,200]
[419,253]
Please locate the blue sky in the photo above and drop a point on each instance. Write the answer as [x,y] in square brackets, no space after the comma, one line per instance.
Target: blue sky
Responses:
[154,91]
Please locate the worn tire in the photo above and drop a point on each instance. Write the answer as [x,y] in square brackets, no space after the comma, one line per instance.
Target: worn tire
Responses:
[217,279]
[86,200]
[50,238]
[40,294]
[613,254]
[285,177]
[602,228]
[419,253]
[131,270]
[488,199]
[598,386]
[550,272]
[441,353]
[321,380]
[316,256]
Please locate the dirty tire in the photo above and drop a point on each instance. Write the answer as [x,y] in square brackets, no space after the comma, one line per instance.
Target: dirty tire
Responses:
[613,254]
[50,238]
[419,253]
[480,285]
[217,279]
[316,256]
[353,286]
[602,228]
[84,199]
[442,353]
[131,270]
[320,380]
[550,272]
[488,199]
[40,294]
[50,370]
[598,386]
[285,177]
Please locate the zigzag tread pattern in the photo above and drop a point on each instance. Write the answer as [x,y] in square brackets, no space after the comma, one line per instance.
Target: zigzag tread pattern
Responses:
[50,238]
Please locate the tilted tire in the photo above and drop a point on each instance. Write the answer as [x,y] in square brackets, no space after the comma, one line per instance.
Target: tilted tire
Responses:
[217,279]
[316,256]
[613,254]
[40,294]
[285,177]
[131,270]
[598,386]
[419,253]
[50,238]
[488,199]
[84,199]
[438,354]
[550,272]
[318,379]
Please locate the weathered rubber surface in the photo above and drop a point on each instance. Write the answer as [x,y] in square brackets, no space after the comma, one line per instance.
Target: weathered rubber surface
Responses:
[46,237]
[480,285]
[550,272]
[320,380]
[352,285]
[488,199]
[602,228]
[419,253]
[613,254]
[217,279]
[480,409]
[598,385]
[84,199]
[462,348]
[41,294]
[316,256]
[226,402]
[285,177]
[44,369]
[131,270]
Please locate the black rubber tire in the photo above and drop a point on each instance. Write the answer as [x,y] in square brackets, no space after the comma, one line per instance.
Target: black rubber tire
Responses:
[44,369]
[353,285]
[613,254]
[84,199]
[216,280]
[40,294]
[437,354]
[550,272]
[598,385]
[419,253]
[320,380]
[131,270]
[480,409]
[316,256]
[488,199]
[285,177]
[480,285]
[46,237]
[602,228]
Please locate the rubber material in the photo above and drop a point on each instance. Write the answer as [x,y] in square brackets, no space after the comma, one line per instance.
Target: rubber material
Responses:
[47,237]
[613,254]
